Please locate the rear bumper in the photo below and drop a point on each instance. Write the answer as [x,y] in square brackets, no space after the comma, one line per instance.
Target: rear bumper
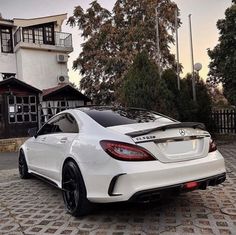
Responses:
[118,181]
[155,194]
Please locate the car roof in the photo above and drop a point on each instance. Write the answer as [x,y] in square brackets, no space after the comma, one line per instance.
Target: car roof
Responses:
[103,108]
[118,115]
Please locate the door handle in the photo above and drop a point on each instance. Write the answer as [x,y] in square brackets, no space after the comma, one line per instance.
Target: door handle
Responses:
[63,140]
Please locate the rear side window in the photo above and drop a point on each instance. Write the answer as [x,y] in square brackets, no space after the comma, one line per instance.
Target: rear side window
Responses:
[62,123]
[117,116]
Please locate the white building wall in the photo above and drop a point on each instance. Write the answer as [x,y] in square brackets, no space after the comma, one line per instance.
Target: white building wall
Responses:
[7,63]
[19,67]
[39,68]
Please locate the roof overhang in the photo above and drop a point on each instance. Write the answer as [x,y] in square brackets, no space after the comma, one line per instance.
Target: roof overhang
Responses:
[59,19]
[8,23]
[60,91]
[14,81]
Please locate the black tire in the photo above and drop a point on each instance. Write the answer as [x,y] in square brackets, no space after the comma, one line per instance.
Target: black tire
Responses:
[74,190]
[22,166]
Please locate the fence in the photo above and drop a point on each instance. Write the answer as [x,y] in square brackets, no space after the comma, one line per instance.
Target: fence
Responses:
[224,121]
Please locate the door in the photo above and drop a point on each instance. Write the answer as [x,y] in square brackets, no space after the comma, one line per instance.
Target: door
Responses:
[52,145]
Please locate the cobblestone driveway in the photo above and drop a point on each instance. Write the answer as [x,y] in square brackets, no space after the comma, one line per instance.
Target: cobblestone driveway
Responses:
[33,207]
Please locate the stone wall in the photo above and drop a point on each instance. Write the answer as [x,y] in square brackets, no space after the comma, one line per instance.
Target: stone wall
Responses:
[11,145]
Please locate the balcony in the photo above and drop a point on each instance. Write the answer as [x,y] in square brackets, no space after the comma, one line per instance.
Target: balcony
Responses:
[41,39]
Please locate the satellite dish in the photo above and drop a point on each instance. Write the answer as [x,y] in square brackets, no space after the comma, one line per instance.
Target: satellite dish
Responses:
[197,67]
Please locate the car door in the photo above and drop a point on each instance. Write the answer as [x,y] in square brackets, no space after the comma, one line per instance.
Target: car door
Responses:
[36,148]
[55,145]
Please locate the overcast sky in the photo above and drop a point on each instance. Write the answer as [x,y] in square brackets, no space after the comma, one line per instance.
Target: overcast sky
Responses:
[205,14]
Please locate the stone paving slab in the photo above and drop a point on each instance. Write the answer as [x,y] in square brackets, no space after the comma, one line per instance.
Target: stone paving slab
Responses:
[29,207]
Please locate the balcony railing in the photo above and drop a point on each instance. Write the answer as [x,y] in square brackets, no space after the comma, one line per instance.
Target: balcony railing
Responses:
[63,39]
[60,39]
[17,36]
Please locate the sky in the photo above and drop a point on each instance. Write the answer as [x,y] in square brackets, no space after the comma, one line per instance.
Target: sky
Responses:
[205,14]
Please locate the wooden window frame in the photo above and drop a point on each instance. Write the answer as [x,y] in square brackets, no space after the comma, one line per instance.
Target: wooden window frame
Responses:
[35,35]
[16,104]
[10,47]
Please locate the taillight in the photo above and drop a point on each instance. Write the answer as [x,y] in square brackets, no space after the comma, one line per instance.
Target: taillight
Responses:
[125,152]
[212,146]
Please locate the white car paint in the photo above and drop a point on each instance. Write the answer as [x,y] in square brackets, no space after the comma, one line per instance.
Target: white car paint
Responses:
[176,162]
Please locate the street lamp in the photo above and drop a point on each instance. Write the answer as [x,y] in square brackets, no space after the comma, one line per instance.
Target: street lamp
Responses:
[198,67]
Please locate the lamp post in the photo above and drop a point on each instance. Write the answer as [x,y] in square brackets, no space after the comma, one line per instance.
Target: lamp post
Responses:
[192,58]
[158,51]
[177,47]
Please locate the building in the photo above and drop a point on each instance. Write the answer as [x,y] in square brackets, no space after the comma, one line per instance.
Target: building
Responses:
[33,63]
[35,51]
[19,108]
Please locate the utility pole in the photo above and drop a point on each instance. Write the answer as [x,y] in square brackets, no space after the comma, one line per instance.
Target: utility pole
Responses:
[158,42]
[177,47]
[191,45]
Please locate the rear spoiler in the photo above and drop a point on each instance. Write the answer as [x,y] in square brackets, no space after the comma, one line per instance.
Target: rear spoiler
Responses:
[195,125]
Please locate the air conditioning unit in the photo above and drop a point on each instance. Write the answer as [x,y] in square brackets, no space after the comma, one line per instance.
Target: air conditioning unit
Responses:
[62,58]
[62,79]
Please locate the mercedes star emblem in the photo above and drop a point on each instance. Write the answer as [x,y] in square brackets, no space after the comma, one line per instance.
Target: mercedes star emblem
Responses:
[182,132]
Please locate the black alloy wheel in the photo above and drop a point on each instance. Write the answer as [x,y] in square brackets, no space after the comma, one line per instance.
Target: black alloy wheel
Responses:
[74,191]
[22,166]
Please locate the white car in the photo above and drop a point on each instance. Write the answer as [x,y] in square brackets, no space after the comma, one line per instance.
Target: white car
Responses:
[109,154]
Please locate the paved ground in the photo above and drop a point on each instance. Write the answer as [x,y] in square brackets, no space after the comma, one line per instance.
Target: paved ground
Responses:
[8,161]
[33,207]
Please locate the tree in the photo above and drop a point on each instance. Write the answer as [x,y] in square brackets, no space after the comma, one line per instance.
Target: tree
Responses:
[185,108]
[218,99]
[223,56]
[189,110]
[142,87]
[113,39]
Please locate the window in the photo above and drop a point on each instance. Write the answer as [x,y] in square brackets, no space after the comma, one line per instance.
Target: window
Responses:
[22,109]
[28,35]
[123,116]
[39,34]
[6,40]
[62,123]
[49,34]
[50,108]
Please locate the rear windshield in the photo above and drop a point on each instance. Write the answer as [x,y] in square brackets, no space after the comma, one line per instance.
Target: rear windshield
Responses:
[117,116]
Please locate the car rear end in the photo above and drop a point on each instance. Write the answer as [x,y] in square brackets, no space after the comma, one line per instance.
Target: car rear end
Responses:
[190,163]
[162,155]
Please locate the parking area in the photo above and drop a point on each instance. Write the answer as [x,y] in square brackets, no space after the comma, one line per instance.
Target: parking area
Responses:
[34,207]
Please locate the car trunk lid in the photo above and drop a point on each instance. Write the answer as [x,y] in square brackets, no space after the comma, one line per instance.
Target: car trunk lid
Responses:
[170,142]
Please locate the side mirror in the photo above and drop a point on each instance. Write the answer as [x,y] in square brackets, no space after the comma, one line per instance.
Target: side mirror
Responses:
[33,132]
